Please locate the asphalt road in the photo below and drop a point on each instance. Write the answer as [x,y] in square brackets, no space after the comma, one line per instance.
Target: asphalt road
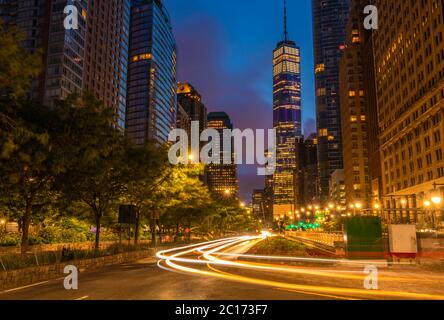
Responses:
[144,280]
[220,271]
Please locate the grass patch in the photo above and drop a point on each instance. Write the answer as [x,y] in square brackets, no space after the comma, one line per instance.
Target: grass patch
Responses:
[278,246]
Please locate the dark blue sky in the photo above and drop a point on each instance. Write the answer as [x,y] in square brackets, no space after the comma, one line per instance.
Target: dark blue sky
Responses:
[225,50]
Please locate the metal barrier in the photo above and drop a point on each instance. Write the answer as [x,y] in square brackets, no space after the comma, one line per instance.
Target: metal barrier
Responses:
[326,238]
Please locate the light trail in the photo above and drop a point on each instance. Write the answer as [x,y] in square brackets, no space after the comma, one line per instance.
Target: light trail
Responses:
[210,252]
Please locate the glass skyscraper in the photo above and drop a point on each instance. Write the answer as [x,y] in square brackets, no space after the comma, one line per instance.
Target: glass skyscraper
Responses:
[93,57]
[329,23]
[222,178]
[286,121]
[152,88]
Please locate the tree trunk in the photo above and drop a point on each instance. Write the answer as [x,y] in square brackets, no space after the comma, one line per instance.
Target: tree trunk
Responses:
[97,243]
[26,221]
[153,233]
[137,227]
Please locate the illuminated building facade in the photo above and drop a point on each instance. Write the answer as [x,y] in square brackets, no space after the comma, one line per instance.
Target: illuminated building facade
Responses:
[409,62]
[222,178]
[286,122]
[354,112]
[92,57]
[106,54]
[191,101]
[63,50]
[337,194]
[329,24]
[152,88]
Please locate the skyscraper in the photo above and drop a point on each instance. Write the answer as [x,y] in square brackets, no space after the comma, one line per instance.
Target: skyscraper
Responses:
[152,88]
[222,178]
[41,22]
[329,23]
[106,54]
[409,62]
[91,57]
[286,120]
[354,111]
[191,101]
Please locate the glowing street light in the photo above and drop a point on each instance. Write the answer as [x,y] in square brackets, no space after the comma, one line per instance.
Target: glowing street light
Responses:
[358,205]
[331,205]
[427,203]
[436,200]
[377,206]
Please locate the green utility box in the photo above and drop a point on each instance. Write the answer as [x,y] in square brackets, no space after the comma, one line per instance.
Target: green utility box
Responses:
[363,238]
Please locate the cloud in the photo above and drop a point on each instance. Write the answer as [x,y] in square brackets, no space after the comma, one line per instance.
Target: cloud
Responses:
[203,60]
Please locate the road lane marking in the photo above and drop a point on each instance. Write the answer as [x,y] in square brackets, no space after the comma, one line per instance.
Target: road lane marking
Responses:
[318,294]
[25,287]
[82,298]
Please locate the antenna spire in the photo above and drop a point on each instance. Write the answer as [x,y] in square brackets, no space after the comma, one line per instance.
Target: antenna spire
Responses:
[285,21]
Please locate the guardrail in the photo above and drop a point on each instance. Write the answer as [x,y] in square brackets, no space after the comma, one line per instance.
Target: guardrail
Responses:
[325,238]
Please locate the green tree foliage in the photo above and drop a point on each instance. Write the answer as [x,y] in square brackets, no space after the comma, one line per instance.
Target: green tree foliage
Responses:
[28,165]
[147,169]
[93,157]
[17,67]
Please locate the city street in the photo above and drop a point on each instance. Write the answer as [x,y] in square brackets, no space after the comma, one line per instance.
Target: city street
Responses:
[219,271]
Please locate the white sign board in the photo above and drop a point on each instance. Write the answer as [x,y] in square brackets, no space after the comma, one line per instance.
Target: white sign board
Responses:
[403,238]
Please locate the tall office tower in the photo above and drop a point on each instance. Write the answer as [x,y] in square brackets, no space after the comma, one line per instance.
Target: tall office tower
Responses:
[409,61]
[286,120]
[183,120]
[41,21]
[191,101]
[258,203]
[354,112]
[329,23]
[222,178]
[152,88]
[106,54]
[309,171]
[91,57]
[337,188]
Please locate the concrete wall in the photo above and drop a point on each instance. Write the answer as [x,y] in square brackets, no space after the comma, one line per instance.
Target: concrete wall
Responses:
[60,246]
[23,277]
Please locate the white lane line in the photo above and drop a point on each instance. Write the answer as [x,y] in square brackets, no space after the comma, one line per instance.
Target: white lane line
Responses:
[25,287]
[82,298]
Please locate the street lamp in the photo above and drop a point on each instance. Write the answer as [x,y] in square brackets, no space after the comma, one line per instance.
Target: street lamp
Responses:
[436,200]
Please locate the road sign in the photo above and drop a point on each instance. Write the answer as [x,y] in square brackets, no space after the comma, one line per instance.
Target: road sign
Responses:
[127,214]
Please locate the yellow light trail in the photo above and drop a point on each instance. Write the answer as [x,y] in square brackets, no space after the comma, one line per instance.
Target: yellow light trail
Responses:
[210,251]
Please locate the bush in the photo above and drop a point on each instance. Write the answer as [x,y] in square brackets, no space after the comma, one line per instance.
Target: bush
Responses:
[10,240]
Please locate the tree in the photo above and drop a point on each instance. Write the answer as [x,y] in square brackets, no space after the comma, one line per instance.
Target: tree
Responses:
[28,164]
[147,169]
[185,199]
[17,68]
[94,156]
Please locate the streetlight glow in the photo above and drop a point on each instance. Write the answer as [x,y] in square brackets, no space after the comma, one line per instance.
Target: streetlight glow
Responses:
[436,200]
